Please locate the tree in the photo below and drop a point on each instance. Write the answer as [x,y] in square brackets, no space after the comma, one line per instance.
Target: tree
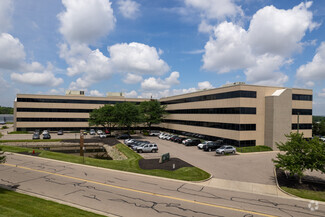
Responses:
[301,155]
[104,116]
[2,158]
[152,112]
[126,114]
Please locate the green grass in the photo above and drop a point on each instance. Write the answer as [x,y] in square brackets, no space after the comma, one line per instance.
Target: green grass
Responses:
[258,148]
[19,132]
[1,135]
[16,204]
[129,165]
[307,194]
[31,140]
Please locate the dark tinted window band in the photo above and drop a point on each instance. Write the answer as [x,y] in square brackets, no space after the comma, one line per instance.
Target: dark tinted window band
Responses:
[78,101]
[302,111]
[302,126]
[302,97]
[226,95]
[52,119]
[54,110]
[226,126]
[238,110]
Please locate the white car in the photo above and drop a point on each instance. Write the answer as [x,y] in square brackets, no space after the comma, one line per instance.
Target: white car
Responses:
[154,133]
[102,135]
[92,132]
[99,132]
[161,135]
[45,132]
[200,146]
[322,138]
[186,140]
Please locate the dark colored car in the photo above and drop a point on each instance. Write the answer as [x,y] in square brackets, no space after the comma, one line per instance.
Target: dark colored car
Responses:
[193,142]
[36,136]
[46,136]
[123,136]
[213,145]
[173,138]
[180,139]
[60,132]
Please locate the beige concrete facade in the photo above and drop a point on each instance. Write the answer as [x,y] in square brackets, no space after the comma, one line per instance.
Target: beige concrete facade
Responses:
[273,114]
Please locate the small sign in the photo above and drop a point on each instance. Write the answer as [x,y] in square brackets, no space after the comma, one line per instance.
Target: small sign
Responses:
[164,158]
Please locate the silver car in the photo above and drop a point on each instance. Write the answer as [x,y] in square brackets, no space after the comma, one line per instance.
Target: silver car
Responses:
[226,149]
[147,148]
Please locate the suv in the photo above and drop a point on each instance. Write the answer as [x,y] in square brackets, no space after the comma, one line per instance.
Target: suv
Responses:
[200,146]
[213,145]
[147,148]
[46,136]
[226,149]
[36,136]
[192,142]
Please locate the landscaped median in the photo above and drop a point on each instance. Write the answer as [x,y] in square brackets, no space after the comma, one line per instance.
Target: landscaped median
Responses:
[259,148]
[16,204]
[129,165]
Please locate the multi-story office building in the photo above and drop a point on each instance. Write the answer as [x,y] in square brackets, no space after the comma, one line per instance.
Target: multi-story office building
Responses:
[242,115]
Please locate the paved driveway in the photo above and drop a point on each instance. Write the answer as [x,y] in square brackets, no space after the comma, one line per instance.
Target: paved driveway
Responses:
[250,167]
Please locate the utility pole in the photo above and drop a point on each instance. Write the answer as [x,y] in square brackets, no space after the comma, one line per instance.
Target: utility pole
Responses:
[298,122]
[82,146]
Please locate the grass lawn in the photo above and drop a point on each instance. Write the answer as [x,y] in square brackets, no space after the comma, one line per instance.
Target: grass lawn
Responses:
[16,204]
[258,148]
[19,132]
[130,165]
[307,194]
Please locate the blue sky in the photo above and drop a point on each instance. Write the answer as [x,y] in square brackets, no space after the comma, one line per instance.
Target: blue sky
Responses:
[160,48]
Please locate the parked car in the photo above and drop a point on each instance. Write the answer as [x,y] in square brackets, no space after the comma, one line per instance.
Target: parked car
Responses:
[193,142]
[322,138]
[147,148]
[123,136]
[226,149]
[99,132]
[46,136]
[172,138]
[211,146]
[200,146]
[180,139]
[92,132]
[84,132]
[45,132]
[138,144]
[36,136]
[107,131]
[60,132]
[154,133]
[185,141]
[102,135]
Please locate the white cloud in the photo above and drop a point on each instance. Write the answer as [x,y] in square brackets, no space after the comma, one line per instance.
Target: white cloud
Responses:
[322,93]
[59,91]
[278,31]
[155,84]
[96,93]
[84,21]
[228,50]
[266,71]
[12,52]
[137,58]
[129,9]
[310,84]
[132,79]
[272,37]
[131,94]
[205,27]
[204,85]
[215,9]
[46,78]
[6,9]
[314,70]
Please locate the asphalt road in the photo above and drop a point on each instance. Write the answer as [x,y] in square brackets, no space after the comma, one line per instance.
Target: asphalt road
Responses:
[125,194]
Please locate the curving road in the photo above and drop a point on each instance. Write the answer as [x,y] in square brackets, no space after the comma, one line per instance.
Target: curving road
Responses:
[116,193]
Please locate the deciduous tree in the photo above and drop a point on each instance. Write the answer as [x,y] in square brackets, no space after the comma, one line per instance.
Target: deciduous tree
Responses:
[152,112]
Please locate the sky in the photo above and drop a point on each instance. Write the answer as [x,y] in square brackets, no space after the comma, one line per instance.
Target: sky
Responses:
[160,48]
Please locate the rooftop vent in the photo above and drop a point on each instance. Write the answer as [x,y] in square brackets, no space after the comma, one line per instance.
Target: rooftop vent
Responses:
[75,92]
[233,84]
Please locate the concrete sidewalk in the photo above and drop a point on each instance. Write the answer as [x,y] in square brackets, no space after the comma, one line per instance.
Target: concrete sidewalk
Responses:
[248,187]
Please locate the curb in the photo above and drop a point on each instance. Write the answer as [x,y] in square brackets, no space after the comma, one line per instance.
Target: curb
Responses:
[291,195]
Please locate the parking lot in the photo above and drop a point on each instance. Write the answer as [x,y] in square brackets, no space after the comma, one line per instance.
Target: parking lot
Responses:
[250,167]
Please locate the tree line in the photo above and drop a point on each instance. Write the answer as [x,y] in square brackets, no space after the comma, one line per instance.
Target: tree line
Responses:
[128,114]
[6,110]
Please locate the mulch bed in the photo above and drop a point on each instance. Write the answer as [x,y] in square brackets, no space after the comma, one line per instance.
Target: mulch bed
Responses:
[111,141]
[308,182]
[150,164]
